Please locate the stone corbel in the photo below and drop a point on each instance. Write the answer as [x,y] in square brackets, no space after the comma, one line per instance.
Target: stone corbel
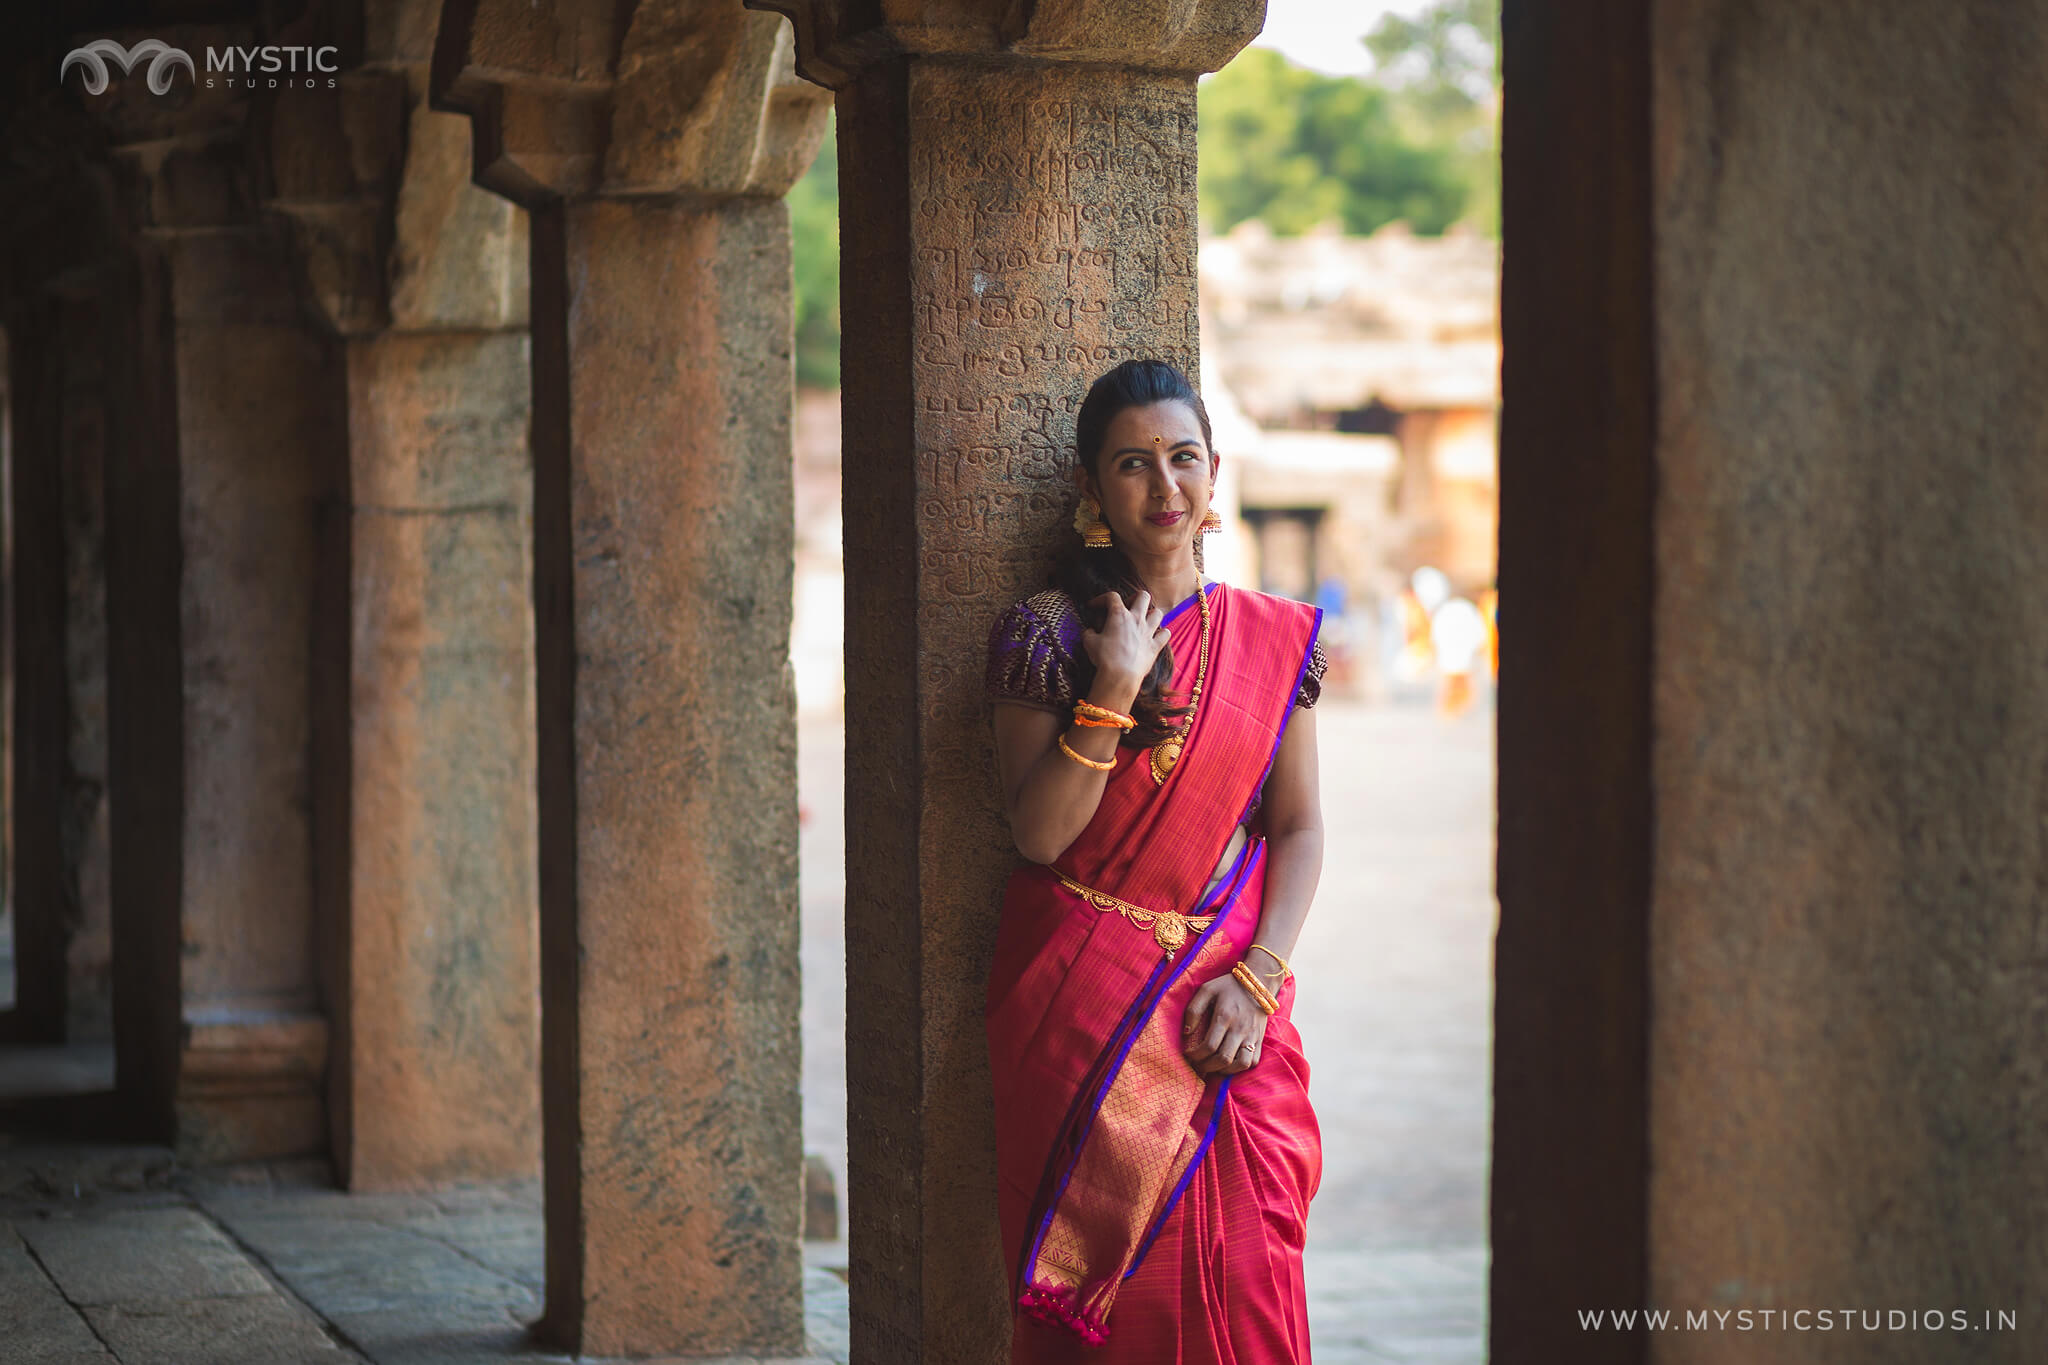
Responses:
[571,98]
[334,159]
[387,229]
[834,38]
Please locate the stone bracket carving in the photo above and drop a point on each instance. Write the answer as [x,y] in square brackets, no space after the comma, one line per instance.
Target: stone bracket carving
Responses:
[571,98]
[835,39]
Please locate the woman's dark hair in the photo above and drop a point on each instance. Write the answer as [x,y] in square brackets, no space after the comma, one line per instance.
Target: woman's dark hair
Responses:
[1085,574]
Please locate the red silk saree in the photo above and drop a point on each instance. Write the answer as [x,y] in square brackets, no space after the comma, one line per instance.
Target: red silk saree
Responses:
[1151,1215]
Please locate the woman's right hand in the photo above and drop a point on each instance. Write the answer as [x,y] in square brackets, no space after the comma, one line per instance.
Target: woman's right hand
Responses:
[1124,650]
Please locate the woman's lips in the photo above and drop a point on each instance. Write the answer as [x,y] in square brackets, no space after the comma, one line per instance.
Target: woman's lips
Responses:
[1165,518]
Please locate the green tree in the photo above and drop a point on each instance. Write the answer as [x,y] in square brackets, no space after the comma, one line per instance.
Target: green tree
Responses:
[1443,69]
[1445,59]
[814,241]
[1295,148]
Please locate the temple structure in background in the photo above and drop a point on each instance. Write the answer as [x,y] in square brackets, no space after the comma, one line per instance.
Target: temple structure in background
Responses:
[1371,368]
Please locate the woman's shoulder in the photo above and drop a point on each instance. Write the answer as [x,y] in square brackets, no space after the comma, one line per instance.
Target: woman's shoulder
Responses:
[1050,610]
[1032,649]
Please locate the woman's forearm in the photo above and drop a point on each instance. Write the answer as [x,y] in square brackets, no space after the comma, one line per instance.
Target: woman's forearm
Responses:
[1294,864]
[1059,796]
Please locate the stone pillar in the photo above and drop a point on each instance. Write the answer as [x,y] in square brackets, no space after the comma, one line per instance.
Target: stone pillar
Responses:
[229,445]
[427,794]
[82,431]
[1019,195]
[1567,1204]
[653,143]
[58,299]
[1849,966]
[39,694]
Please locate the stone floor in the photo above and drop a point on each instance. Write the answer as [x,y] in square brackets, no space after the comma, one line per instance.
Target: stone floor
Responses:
[110,1255]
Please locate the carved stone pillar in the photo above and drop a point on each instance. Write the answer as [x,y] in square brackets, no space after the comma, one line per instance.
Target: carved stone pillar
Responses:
[1019,195]
[653,143]
[425,732]
[226,447]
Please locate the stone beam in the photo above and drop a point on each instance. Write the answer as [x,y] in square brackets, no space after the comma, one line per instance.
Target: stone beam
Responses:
[425,807]
[1024,217]
[653,142]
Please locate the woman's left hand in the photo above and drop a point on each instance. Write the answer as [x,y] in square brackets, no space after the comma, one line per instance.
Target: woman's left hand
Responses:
[1224,1030]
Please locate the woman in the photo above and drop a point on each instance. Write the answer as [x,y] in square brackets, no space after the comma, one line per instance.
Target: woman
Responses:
[1155,1146]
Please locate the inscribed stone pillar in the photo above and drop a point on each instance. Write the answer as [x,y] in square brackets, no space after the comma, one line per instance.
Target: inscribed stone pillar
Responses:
[227,449]
[427,797]
[1019,195]
[1849,1090]
[653,144]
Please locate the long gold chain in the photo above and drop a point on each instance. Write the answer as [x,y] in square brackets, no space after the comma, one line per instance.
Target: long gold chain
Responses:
[1166,752]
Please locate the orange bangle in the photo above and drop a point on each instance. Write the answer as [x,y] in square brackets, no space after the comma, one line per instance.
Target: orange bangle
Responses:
[1088,713]
[1254,987]
[1084,760]
[1091,723]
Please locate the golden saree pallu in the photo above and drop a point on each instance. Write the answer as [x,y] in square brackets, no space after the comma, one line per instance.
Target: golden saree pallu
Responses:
[1102,1126]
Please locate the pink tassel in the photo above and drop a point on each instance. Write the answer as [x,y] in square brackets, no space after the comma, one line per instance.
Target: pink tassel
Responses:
[1057,1307]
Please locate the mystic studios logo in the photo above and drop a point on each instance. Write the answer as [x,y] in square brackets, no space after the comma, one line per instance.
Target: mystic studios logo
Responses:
[273,66]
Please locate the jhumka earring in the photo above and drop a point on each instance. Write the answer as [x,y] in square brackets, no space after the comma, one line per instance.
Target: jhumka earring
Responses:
[1211,522]
[1088,521]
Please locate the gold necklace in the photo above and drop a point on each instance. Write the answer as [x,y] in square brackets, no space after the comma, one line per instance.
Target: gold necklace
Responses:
[1166,752]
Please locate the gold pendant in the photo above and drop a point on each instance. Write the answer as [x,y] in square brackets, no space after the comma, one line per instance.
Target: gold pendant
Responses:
[1165,754]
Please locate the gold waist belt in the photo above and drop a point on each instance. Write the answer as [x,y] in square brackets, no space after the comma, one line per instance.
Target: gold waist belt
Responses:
[1169,928]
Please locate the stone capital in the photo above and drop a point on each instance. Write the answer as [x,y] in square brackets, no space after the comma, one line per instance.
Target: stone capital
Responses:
[577,98]
[835,38]
[388,231]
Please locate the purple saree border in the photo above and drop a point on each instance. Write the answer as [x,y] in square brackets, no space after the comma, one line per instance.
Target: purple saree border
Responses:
[1229,890]
[1184,604]
[1308,654]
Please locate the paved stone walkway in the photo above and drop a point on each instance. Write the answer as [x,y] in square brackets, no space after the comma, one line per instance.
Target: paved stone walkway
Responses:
[109,1255]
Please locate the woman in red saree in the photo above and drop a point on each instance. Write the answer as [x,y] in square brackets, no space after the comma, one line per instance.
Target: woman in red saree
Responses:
[1155,1147]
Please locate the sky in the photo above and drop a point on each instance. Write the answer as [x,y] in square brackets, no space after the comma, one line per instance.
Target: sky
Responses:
[1326,34]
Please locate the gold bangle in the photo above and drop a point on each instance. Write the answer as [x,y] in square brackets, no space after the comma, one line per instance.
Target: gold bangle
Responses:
[1285,970]
[1084,760]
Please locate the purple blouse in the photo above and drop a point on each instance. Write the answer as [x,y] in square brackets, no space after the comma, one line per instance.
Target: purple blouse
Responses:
[1035,650]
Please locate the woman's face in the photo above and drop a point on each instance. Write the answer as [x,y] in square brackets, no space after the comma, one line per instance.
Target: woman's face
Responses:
[1153,477]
